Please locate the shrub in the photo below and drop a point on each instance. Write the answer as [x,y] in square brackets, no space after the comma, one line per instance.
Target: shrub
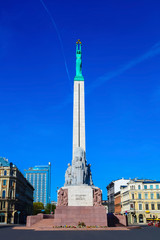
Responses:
[81,224]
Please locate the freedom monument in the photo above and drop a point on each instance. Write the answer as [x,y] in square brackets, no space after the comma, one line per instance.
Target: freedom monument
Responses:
[79,200]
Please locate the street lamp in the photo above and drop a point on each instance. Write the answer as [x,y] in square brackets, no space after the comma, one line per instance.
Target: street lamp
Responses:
[18,215]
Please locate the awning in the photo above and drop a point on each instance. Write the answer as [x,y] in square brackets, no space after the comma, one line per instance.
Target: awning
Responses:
[155,219]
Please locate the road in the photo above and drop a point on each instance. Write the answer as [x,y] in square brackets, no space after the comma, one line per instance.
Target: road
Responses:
[146,233]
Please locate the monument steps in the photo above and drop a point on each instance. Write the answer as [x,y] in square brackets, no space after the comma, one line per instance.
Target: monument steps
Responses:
[44,223]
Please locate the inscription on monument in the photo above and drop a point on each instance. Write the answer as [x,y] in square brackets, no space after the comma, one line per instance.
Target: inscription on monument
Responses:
[80,196]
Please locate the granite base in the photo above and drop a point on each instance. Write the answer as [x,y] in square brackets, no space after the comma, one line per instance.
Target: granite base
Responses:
[90,215]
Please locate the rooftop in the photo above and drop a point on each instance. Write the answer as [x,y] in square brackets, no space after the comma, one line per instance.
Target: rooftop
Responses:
[154,181]
[39,167]
[4,162]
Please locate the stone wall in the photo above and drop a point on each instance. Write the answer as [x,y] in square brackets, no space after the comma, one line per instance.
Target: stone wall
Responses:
[114,220]
[33,219]
[122,219]
[71,216]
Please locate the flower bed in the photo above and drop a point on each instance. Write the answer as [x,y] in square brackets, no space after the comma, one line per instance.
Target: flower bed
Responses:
[79,226]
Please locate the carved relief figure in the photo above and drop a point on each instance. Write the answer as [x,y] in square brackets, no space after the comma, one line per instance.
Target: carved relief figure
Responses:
[63,197]
[97,197]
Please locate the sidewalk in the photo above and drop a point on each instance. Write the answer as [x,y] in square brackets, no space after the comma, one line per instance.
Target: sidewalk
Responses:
[11,225]
[6,225]
[138,224]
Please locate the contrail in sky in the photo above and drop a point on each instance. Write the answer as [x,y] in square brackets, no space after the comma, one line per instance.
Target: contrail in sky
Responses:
[60,39]
[153,51]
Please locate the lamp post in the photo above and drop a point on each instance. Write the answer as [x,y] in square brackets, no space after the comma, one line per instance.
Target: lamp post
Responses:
[50,205]
[50,186]
[18,215]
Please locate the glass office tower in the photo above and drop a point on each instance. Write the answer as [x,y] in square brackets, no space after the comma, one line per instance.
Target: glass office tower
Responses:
[40,178]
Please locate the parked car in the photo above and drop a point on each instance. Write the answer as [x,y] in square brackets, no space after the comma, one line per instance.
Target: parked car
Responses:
[150,223]
[157,224]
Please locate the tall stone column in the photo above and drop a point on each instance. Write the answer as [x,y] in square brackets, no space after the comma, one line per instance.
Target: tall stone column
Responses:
[80,172]
[78,103]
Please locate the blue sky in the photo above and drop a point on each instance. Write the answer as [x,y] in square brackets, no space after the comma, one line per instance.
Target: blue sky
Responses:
[121,68]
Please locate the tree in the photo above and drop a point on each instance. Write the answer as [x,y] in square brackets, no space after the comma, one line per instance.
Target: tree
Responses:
[37,207]
[49,208]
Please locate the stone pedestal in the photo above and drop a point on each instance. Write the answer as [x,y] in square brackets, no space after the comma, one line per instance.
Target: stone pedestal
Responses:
[79,195]
[80,204]
[71,216]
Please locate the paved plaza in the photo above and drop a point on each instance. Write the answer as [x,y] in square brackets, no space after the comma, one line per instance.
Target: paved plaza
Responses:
[146,233]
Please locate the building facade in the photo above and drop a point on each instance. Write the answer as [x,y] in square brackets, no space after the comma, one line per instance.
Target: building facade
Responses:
[40,178]
[16,194]
[117,203]
[105,204]
[140,200]
[112,189]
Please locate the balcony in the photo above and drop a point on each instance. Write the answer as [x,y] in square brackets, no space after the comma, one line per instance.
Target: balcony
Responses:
[7,198]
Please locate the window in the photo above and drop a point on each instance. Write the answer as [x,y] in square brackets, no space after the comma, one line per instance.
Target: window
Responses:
[139,187]
[12,183]
[152,206]
[152,196]
[132,195]
[140,206]
[158,196]
[139,196]
[151,186]
[2,205]
[157,186]
[145,186]
[147,207]
[4,182]
[158,206]
[5,172]
[146,195]
[11,193]
[3,194]
[132,206]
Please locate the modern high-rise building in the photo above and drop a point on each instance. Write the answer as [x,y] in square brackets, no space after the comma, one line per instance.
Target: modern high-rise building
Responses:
[40,178]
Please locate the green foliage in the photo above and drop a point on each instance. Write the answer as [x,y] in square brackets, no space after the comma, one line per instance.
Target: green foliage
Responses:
[81,224]
[49,208]
[37,208]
